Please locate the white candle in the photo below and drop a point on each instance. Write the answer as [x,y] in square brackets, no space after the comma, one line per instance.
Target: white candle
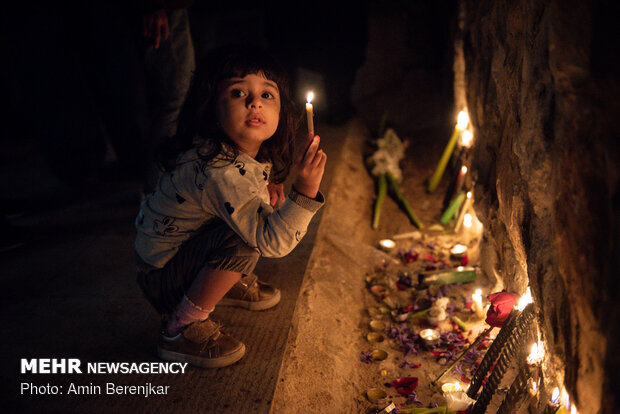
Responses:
[476,306]
[309,113]
[461,219]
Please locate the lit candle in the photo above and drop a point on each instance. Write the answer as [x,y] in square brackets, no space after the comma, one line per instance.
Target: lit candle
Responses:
[450,387]
[466,139]
[536,355]
[466,206]
[430,336]
[460,179]
[458,251]
[468,220]
[461,125]
[387,245]
[525,300]
[476,305]
[309,113]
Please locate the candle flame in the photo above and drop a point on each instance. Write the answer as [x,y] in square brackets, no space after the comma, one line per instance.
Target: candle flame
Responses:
[467,220]
[525,300]
[462,120]
[467,138]
[464,169]
[477,294]
[573,410]
[555,395]
[536,354]
[469,195]
[535,386]
[310,97]
[564,398]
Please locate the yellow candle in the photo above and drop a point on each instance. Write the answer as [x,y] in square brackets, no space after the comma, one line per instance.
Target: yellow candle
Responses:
[461,125]
[309,113]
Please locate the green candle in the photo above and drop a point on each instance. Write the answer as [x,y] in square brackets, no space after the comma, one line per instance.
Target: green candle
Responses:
[461,125]
[448,276]
[381,192]
[452,208]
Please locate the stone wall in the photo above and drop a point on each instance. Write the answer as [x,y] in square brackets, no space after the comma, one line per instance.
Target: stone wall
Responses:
[542,91]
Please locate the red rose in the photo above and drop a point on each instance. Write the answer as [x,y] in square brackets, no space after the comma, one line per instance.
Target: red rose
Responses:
[502,303]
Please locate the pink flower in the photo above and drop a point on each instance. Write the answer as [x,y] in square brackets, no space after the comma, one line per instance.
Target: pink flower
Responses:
[502,303]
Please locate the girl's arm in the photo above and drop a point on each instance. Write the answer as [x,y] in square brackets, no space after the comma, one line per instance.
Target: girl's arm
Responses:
[241,200]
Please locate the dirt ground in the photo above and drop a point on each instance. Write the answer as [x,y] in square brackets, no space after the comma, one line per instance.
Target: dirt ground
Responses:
[323,367]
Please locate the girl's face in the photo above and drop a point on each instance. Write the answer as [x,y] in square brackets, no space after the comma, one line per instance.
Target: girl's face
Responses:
[248,110]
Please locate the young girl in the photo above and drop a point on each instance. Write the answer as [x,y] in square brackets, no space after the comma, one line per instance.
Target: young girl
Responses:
[210,218]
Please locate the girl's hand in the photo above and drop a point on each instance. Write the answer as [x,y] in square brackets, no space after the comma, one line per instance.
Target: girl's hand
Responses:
[310,169]
[276,192]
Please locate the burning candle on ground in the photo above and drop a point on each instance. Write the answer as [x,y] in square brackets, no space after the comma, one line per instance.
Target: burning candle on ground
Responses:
[450,387]
[309,112]
[461,125]
[387,245]
[430,336]
[458,251]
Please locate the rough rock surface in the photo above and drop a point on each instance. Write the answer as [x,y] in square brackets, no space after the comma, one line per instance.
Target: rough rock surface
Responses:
[542,92]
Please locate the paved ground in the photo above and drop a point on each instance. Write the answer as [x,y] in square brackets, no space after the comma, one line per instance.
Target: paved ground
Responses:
[71,293]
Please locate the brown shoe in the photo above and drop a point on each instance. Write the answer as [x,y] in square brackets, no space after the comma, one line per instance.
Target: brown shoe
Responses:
[201,344]
[250,293]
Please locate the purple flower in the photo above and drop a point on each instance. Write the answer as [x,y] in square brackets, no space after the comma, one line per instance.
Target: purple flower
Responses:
[412,398]
[366,358]
[458,370]
[393,332]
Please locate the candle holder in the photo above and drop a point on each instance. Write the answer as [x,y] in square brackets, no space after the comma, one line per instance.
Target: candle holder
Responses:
[430,336]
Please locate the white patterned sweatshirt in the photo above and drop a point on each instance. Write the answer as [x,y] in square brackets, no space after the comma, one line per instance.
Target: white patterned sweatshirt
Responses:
[236,192]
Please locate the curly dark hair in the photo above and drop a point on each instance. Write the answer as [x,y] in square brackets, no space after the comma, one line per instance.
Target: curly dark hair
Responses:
[198,121]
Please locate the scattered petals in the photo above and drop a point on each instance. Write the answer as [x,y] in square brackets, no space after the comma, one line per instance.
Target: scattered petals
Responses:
[413,399]
[405,385]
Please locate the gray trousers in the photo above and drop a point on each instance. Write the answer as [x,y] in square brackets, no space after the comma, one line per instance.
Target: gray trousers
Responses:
[215,246]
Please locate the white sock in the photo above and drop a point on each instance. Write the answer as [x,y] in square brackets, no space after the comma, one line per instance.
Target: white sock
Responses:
[186,313]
